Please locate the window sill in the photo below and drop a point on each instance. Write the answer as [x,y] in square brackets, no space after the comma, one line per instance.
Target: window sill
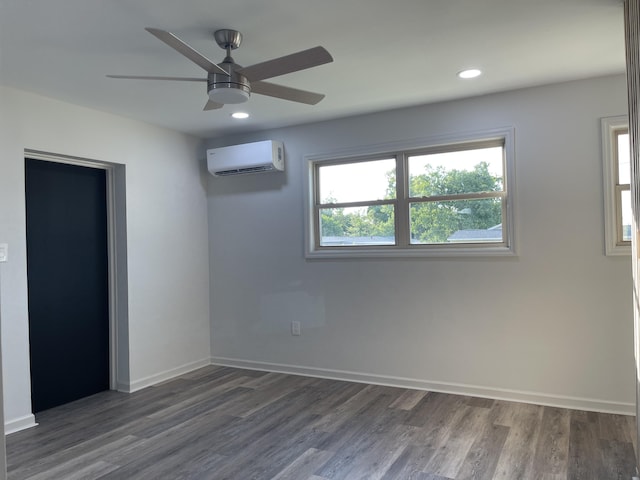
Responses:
[416,252]
[618,250]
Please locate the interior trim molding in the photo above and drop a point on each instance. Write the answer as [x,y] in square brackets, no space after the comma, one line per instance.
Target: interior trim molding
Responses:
[21,423]
[117,280]
[156,378]
[578,403]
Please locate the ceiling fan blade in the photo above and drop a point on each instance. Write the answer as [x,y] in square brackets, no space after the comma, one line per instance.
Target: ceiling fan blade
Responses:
[142,77]
[193,55]
[287,64]
[286,93]
[212,106]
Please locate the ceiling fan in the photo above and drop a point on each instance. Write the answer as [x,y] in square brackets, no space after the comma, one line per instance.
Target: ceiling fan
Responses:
[229,83]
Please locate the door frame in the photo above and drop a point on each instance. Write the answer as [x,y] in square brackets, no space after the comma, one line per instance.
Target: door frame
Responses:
[116,350]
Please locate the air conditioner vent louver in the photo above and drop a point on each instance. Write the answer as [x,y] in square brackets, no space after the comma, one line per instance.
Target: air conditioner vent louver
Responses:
[240,171]
[257,157]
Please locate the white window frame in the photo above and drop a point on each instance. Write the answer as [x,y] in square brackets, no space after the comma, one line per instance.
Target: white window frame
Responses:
[614,245]
[404,248]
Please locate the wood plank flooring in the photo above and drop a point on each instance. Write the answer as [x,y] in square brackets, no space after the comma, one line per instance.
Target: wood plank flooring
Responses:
[223,423]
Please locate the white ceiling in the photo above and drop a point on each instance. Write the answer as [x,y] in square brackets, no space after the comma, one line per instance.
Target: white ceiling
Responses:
[387,54]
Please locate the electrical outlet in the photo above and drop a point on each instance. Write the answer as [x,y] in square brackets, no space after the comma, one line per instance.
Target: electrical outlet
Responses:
[4,252]
[295,328]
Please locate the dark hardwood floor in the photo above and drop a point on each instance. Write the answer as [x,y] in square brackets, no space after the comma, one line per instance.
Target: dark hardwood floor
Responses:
[224,423]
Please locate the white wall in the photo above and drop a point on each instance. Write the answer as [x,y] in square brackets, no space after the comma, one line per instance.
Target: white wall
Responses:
[553,325]
[3,445]
[166,223]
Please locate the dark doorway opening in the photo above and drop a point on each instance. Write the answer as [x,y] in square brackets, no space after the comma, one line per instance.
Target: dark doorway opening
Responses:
[68,281]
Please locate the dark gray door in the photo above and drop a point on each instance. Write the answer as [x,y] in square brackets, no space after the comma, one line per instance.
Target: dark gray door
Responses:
[68,282]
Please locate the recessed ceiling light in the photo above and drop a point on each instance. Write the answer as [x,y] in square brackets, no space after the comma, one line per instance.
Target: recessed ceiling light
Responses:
[470,73]
[240,115]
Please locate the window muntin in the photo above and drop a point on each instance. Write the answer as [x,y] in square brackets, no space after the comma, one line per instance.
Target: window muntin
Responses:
[617,177]
[449,199]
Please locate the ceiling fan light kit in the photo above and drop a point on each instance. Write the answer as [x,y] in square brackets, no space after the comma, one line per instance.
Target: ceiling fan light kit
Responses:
[229,83]
[224,89]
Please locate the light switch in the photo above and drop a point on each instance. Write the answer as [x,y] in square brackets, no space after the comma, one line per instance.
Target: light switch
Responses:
[4,252]
[295,328]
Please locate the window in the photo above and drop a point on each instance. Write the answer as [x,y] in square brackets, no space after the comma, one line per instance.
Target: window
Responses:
[617,178]
[441,198]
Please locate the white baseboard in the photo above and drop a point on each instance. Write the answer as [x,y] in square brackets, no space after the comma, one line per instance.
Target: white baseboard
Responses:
[17,424]
[576,403]
[156,378]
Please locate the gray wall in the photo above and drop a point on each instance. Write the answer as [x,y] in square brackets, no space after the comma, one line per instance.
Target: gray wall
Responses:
[552,325]
[3,446]
[166,225]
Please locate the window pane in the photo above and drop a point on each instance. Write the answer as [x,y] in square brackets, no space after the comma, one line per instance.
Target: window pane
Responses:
[466,171]
[460,221]
[357,226]
[626,215]
[358,182]
[624,165]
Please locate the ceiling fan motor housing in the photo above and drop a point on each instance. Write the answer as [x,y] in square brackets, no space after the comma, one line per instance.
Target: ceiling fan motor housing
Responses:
[232,88]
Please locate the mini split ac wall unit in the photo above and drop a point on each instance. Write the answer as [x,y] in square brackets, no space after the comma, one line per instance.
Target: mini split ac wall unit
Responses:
[256,157]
